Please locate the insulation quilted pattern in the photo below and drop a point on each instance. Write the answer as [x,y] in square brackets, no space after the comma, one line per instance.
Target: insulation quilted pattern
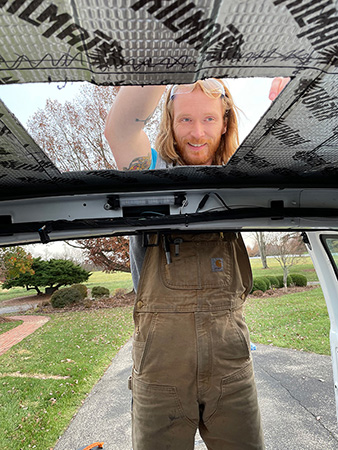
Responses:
[119,42]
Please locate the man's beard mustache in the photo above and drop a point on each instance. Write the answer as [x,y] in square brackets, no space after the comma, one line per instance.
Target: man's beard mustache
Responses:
[188,157]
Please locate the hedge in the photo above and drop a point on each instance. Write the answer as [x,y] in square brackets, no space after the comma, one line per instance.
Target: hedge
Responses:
[273,281]
[281,281]
[100,291]
[82,289]
[64,297]
[269,281]
[259,284]
[298,279]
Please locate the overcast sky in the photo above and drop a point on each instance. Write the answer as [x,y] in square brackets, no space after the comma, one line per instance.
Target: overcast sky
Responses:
[24,99]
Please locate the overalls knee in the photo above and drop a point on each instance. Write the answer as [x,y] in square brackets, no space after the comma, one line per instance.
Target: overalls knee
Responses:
[192,366]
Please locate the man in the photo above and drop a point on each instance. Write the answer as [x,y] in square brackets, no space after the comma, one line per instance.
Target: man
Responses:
[192,367]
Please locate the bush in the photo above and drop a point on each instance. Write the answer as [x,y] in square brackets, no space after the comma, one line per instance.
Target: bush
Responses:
[273,281]
[281,282]
[267,282]
[65,297]
[259,284]
[120,292]
[82,289]
[100,291]
[298,279]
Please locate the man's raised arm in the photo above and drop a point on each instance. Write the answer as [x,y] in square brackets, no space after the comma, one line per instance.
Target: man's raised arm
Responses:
[131,110]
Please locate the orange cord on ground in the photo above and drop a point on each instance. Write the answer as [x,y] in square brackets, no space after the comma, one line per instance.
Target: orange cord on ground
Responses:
[96,444]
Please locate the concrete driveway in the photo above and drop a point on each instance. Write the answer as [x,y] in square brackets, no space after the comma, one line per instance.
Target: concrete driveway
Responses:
[296,395]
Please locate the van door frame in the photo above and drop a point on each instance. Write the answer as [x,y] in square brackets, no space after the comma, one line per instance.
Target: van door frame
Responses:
[327,272]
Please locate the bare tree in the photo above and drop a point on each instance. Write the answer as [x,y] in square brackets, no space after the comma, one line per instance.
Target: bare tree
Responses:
[260,237]
[72,135]
[286,249]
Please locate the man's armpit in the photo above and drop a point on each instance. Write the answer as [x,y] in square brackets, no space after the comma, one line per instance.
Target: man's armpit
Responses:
[139,163]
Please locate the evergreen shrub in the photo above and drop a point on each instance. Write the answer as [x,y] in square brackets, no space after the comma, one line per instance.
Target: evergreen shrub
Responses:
[64,297]
[273,281]
[267,282]
[100,291]
[259,284]
[281,282]
[82,289]
[298,279]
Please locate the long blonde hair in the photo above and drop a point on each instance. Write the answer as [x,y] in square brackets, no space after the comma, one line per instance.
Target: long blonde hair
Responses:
[165,142]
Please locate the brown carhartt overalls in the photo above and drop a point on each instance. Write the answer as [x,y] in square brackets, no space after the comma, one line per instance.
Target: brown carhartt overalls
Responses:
[192,366]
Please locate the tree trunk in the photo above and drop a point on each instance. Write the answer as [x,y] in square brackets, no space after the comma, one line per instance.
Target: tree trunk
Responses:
[50,290]
[36,288]
[262,248]
[285,277]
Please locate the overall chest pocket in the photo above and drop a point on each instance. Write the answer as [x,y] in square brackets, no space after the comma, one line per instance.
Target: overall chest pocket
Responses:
[198,265]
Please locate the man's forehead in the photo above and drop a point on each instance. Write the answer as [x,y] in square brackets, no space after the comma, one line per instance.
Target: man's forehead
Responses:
[196,101]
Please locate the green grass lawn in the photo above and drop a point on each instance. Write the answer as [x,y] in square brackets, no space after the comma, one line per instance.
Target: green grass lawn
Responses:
[112,281]
[6,326]
[298,321]
[45,378]
[304,267]
[14,293]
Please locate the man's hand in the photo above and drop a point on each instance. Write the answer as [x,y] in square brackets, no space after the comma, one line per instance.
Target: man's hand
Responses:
[278,84]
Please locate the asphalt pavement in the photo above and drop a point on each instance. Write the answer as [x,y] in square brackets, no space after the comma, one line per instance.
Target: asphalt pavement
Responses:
[16,308]
[295,390]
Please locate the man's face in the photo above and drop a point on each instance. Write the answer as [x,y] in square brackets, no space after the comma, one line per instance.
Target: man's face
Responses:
[198,126]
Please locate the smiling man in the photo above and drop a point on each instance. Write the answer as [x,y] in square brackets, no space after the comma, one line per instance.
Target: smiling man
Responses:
[201,119]
[192,366]
[198,127]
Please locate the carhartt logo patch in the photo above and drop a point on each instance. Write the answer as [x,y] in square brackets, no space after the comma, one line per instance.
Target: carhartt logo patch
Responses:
[217,264]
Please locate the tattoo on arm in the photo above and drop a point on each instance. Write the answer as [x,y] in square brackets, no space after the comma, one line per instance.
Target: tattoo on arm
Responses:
[145,121]
[139,163]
